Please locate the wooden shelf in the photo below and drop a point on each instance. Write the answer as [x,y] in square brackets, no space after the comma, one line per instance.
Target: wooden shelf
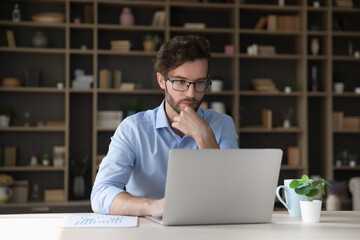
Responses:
[32,50]
[32,129]
[272,130]
[32,169]
[270,94]
[271,57]
[32,89]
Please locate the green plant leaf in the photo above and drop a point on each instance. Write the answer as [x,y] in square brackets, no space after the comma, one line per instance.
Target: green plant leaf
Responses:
[304,178]
[313,192]
[315,183]
[295,184]
[303,190]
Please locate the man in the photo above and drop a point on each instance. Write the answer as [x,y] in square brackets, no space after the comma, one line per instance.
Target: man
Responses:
[138,152]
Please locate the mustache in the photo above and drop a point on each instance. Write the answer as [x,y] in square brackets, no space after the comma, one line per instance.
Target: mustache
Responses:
[189,100]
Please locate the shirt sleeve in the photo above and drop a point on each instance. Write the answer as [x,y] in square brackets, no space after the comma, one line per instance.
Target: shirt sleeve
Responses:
[115,168]
[228,138]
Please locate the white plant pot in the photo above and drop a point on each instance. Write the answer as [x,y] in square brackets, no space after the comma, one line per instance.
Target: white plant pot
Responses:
[4,121]
[339,87]
[79,186]
[310,211]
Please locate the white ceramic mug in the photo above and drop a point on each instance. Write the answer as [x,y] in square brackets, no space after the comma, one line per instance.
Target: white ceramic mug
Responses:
[216,85]
[218,107]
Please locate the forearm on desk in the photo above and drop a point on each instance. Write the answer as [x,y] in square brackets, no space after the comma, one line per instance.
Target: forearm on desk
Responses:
[126,204]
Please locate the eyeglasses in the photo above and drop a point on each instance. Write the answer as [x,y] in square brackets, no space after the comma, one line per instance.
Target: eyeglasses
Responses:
[183,85]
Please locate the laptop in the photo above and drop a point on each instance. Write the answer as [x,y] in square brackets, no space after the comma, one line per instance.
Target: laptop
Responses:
[220,186]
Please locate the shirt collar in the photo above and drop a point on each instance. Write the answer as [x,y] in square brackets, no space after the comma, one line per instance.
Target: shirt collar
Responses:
[161,118]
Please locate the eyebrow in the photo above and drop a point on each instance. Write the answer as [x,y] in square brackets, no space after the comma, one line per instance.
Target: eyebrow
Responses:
[184,78]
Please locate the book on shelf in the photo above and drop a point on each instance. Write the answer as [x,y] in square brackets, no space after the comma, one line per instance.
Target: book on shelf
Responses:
[7,38]
[261,23]
[283,22]
[10,38]
[110,78]
[266,118]
[293,156]
[9,156]
[338,119]
[344,3]
[351,122]
[59,156]
[116,78]
[88,13]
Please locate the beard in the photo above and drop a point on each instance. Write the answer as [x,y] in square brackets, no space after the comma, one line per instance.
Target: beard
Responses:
[176,105]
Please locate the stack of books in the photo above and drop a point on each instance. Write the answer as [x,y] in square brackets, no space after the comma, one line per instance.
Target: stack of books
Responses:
[344,3]
[120,45]
[266,118]
[264,85]
[352,123]
[283,22]
[109,119]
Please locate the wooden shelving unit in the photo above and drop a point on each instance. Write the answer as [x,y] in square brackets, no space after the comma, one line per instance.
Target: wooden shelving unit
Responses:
[230,23]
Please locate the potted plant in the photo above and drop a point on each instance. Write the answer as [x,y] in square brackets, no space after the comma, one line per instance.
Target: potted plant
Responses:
[5,115]
[310,209]
[288,87]
[151,41]
[339,84]
[352,160]
[78,168]
[60,83]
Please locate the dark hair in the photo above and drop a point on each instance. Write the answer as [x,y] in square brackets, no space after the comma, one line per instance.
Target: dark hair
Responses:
[180,49]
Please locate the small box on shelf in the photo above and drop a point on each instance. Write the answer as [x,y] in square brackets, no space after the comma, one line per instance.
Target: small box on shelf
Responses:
[293,156]
[54,195]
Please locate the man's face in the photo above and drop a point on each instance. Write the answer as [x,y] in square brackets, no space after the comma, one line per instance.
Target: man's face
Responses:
[192,72]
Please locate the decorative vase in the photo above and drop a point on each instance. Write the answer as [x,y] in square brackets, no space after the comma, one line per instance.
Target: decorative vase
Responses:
[286,123]
[315,46]
[333,203]
[126,17]
[79,186]
[33,161]
[40,40]
[310,211]
[4,121]
[339,87]
[316,4]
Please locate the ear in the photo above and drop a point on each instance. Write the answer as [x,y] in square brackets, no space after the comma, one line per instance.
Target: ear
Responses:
[161,80]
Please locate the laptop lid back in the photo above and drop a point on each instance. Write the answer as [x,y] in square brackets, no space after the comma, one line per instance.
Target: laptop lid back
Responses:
[213,186]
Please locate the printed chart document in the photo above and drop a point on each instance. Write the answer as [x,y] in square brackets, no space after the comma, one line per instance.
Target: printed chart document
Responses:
[99,221]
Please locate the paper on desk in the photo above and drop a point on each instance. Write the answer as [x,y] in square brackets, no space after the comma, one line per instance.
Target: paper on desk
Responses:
[99,220]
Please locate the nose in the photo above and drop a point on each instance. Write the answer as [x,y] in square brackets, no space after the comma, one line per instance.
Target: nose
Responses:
[191,91]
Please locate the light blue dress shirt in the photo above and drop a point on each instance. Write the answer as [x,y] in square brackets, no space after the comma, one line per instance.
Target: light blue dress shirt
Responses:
[138,154]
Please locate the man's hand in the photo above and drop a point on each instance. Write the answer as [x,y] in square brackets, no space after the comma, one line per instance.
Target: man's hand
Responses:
[191,124]
[126,204]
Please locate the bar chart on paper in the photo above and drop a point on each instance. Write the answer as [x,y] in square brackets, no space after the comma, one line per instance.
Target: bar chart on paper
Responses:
[99,221]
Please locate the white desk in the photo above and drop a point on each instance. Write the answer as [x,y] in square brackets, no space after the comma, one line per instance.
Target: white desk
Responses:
[333,225]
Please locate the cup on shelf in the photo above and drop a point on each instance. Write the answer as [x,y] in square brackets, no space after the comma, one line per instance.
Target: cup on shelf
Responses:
[218,107]
[216,85]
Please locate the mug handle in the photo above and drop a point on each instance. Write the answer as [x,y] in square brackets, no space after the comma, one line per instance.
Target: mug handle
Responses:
[280,198]
[9,192]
